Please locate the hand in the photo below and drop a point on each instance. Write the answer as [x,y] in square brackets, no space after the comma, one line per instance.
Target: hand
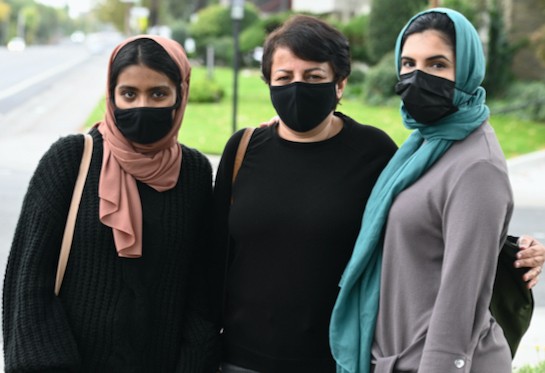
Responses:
[531,255]
[271,121]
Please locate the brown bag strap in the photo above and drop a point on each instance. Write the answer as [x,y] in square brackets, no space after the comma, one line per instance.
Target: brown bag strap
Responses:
[241,151]
[73,212]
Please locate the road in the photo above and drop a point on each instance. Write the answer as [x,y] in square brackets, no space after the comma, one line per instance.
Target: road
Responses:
[47,92]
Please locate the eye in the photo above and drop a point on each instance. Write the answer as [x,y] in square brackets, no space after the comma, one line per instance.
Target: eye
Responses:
[438,65]
[158,94]
[281,78]
[407,63]
[315,78]
[127,94]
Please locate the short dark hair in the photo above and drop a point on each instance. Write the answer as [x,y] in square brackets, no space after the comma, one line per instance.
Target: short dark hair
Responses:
[147,52]
[432,21]
[310,39]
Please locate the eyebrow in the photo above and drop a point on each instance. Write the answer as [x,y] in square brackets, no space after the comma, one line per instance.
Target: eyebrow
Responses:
[306,71]
[431,58]
[128,86]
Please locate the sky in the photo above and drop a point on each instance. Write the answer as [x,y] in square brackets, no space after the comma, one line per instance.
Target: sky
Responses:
[75,6]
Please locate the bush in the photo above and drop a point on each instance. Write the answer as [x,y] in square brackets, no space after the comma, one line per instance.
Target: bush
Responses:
[205,90]
[354,88]
[223,50]
[540,368]
[527,99]
[378,88]
[356,31]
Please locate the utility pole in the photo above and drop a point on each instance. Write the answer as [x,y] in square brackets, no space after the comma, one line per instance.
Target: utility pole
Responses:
[154,13]
[237,14]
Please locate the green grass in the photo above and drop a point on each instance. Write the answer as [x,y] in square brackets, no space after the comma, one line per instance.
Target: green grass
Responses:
[207,127]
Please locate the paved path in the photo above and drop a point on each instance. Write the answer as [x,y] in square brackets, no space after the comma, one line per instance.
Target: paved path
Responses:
[527,174]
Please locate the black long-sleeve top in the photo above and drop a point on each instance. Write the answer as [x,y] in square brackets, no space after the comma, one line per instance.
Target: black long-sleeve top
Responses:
[113,314]
[296,213]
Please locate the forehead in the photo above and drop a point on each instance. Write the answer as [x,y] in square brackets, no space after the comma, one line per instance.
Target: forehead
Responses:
[140,75]
[284,59]
[427,43]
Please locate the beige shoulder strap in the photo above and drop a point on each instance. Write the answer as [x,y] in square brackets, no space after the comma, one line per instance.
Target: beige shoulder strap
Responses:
[241,151]
[73,212]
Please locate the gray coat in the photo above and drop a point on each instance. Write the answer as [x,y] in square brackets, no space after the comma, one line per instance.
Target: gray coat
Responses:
[442,242]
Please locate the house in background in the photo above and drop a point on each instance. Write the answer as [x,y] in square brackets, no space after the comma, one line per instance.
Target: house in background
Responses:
[344,9]
[522,19]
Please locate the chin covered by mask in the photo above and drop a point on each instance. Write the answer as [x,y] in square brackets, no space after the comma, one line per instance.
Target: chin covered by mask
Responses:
[303,106]
[144,125]
[427,98]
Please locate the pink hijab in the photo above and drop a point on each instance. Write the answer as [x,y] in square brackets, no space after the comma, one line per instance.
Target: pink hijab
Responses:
[157,164]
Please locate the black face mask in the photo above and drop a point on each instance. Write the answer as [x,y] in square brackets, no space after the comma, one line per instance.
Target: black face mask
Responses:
[303,106]
[427,98]
[144,125]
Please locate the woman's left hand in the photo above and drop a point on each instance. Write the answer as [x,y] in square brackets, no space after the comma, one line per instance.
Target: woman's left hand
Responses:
[531,255]
[270,122]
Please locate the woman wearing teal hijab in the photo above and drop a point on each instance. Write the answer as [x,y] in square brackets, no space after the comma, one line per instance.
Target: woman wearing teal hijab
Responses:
[435,221]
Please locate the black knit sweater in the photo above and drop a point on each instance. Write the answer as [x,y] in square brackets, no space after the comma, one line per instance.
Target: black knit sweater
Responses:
[295,216]
[113,314]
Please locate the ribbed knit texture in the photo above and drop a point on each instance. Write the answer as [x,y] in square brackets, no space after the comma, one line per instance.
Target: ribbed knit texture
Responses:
[113,314]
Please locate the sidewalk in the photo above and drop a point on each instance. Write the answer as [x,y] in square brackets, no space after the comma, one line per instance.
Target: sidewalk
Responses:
[527,174]
[531,350]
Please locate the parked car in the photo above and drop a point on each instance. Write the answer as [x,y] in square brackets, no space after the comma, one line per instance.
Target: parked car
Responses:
[16,44]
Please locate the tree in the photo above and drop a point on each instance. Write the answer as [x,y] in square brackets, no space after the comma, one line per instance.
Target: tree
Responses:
[214,27]
[183,9]
[500,54]
[526,17]
[537,38]
[5,11]
[113,12]
[31,17]
[386,19]
[254,35]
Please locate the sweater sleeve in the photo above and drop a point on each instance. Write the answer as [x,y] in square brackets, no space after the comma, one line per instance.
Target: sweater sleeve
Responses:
[475,220]
[200,345]
[37,334]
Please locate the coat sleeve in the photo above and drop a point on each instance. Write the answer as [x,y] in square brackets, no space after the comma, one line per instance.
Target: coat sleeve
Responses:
[37,334]
[475,220]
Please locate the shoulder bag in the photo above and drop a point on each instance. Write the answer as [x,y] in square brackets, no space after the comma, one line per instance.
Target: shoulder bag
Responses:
[73,211]
[512,302]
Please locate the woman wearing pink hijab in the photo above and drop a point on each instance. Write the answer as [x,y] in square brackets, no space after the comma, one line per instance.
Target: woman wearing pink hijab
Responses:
[131,300]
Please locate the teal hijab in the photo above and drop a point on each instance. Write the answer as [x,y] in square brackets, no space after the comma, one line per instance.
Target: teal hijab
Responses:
[353,319]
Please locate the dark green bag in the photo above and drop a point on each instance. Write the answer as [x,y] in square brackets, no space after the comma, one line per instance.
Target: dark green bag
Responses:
[512,303]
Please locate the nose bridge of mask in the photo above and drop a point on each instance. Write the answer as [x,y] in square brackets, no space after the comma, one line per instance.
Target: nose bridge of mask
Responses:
[425,82]
[300,97]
